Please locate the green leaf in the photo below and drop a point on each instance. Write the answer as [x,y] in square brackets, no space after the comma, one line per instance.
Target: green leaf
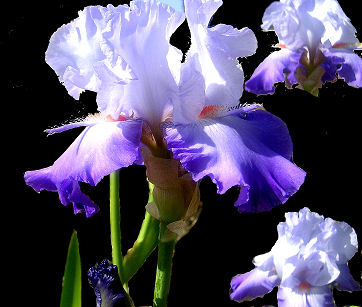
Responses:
[72,284]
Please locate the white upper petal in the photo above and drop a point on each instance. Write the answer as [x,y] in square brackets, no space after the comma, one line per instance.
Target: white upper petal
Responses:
[75,47]
[308,23]
[218,48]
[140,36]
[338,27]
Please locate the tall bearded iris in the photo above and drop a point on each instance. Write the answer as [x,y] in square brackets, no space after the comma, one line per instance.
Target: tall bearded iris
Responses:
[309,259]
[148,97]
[316,41]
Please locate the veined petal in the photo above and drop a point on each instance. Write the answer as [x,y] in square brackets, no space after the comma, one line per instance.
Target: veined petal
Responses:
[245,287]
[98,151]
[252,150]
[140,35]
[277,67]
[315,297]
[217,49]
[350,65]
[75,47]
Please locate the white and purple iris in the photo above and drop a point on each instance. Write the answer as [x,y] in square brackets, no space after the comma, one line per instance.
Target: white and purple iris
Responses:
[309,259]
[316,41]
[148,97]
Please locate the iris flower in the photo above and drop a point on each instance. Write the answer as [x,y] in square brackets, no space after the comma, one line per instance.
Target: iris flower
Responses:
[104,279]
[309,259]
[316,41]
[148,97]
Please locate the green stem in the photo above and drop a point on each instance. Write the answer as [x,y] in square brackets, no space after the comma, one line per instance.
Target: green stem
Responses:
[115,222]
[164,270]
[144,245]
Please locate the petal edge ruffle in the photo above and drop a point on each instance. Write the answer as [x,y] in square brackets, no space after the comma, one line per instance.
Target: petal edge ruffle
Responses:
[258,158]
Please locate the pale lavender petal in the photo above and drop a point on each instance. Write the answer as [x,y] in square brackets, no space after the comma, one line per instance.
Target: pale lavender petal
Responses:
[252,150]
[75,47]
[140,36]
[218,48]
[345,281]
[277,67]
[315,297]
[191,98]
[316,269]
[338,27]
[350,65]
[245,287]
[98,151]
[339,240]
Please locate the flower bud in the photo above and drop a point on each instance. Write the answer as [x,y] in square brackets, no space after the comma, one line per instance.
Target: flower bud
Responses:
[176,195]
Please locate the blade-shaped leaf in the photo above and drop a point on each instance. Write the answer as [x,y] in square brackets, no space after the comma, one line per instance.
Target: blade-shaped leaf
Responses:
[72,284]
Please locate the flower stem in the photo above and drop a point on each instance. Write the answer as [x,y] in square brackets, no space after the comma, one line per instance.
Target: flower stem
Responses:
[164,269]
[144,245]
[115,222]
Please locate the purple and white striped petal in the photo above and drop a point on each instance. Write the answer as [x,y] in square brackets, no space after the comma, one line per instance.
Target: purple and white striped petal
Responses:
[245,287]
[218,48]
[277,67]
[252,150]
[98,151]
[315,296]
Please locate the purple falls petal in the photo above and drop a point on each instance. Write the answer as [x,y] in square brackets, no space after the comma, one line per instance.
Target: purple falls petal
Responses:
[98,151]
[277,67]
[350,65]
[252,150]
[345,281]
[314,297]
[245,287]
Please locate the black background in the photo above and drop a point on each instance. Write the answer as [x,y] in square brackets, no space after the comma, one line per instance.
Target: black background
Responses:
[37,228]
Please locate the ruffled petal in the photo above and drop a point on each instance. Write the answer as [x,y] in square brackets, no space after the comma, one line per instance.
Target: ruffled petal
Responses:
[339,240]
[245,287]
[252,150]
[140,36]
[218,48]
[350,65]
[98,151]
[345,281]
[316,297]
[104,279]
[75,47]
[279,66]
[309,23]
[338,27]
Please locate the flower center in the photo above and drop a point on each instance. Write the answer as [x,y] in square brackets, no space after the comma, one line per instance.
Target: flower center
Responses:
[304,287]
[211,111]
